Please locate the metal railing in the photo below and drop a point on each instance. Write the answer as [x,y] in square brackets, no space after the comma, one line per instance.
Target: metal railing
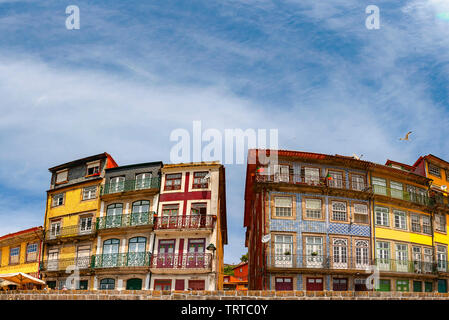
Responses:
[185,222]
[408,266]
[62,264]
[185,261]
[317,262]
[118,260]
[402,195]
[70,231]
[312,181]
[131,185]
[125,220]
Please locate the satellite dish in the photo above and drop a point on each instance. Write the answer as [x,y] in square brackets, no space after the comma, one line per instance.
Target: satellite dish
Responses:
[266,238]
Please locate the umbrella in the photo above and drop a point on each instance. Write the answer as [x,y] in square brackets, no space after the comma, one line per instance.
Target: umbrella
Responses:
[20,278]
[4,283]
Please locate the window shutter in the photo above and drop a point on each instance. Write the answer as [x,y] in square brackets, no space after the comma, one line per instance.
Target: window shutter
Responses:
[283,202]
[313,204]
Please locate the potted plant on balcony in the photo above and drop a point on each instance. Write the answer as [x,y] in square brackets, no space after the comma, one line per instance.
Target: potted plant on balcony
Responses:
[314,253]
[287,253]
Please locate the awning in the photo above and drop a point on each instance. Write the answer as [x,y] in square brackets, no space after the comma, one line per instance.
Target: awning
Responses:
[20,278]
[4,283]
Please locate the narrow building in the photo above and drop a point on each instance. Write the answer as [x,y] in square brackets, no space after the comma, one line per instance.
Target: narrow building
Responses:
[125,239]
[190,228]
[72,205]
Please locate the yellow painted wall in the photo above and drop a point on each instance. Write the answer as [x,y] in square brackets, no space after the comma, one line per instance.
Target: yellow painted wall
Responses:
[23,266]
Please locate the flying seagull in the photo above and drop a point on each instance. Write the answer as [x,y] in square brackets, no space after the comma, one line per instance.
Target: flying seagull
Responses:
[406,136]
[356,156]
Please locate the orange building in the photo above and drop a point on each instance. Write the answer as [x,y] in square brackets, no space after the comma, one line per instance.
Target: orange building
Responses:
[238,281]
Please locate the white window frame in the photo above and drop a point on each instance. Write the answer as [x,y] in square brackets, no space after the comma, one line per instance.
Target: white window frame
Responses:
[400,223]
[383,214]
[361,213]
[338,213]
[313,211]
[91,193]
[284,210]
[58,199]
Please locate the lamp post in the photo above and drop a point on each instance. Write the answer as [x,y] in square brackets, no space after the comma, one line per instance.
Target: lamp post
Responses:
[212,248]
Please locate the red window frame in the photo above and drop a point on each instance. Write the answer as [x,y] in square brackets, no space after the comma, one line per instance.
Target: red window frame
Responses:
[170,179]
[197,177]
[162,282]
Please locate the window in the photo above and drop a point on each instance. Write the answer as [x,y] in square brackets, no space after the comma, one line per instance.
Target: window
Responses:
[173,181]
[31,252]
[312,175]
[442,258]
[107,284]
[426,226]
[402,285]
[14,255]
[428,260]
[283,206]
[416,224]
[170,210]
[383,255]
[314,252]
[358,182]
[340,253]
[90,193]
[61,176]
[143,180]
[380,186]
[55,229]
[83,257]
[281,173]
[283,250]
[440,222]
[401,258]
[339,211]
[313,208]
[113,215]
[361,213]
[85,224]
[199,181]
[396,190]
[116,184]
[336,179]
[400,219]
[361,253]
[434,170]
[93,168]
[58,199]
[382,216]
[162,285]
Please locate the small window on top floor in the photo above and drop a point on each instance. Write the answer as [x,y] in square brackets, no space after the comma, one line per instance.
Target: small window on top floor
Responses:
[200,180]
[173,181]
[93,168]
[434,170]
[62,176]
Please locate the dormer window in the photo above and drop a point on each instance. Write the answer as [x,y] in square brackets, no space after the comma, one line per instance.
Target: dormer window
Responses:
[62,176]
[93,168]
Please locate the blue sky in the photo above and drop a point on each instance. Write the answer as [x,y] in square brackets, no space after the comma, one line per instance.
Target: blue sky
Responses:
[136,70]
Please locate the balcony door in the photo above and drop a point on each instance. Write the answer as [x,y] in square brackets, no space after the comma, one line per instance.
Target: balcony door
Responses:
[85,225]
[169,218]
[116,184]
[401,258]
[143,181]
[361,254]
[140,212]
[136,251]
[383,256]
[83,257]
[281,173]
[340,254]
[195,255]
[283,250]
[114,215]
[55,229]
[166,252]
[53,259]
[110,253]
[198,215]
[314,252]
[417,260]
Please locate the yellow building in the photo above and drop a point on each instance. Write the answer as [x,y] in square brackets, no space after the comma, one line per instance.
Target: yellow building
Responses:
[402,220]
[20,252]
[437,169]
[72,207]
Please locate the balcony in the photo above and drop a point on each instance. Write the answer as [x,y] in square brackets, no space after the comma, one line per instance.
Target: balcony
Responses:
[190,222]
[406,266]
[402,195]
[130,185]
[125,220]
[181,263]
[289,261]
[121,260]
[297,179]
[68,232]
[61,265]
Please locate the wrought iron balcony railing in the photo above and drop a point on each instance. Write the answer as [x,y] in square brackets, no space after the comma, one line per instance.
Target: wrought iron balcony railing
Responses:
[298,179]
[131,185]
[125,220]
[185,261]
[402,195]
[317,262]
[118,260]
[70,231]
[62,264]
[185,222]
[418,267]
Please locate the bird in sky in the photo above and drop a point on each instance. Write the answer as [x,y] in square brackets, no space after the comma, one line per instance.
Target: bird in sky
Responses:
[406,138]
[356,156]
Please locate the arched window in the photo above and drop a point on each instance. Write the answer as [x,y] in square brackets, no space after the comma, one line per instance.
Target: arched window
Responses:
[141,206]
[340,251]
[140,213]
[137,244]
[339,211]
[114,209]
[361,253]
[136,252]
[110,255]
[111,246]
[107,284]
[114,215]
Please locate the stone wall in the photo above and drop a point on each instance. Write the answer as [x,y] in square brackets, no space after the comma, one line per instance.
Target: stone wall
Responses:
[217,295]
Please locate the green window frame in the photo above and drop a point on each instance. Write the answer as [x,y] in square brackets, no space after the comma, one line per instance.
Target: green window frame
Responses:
[417,286]
[384,285]
[402,285]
